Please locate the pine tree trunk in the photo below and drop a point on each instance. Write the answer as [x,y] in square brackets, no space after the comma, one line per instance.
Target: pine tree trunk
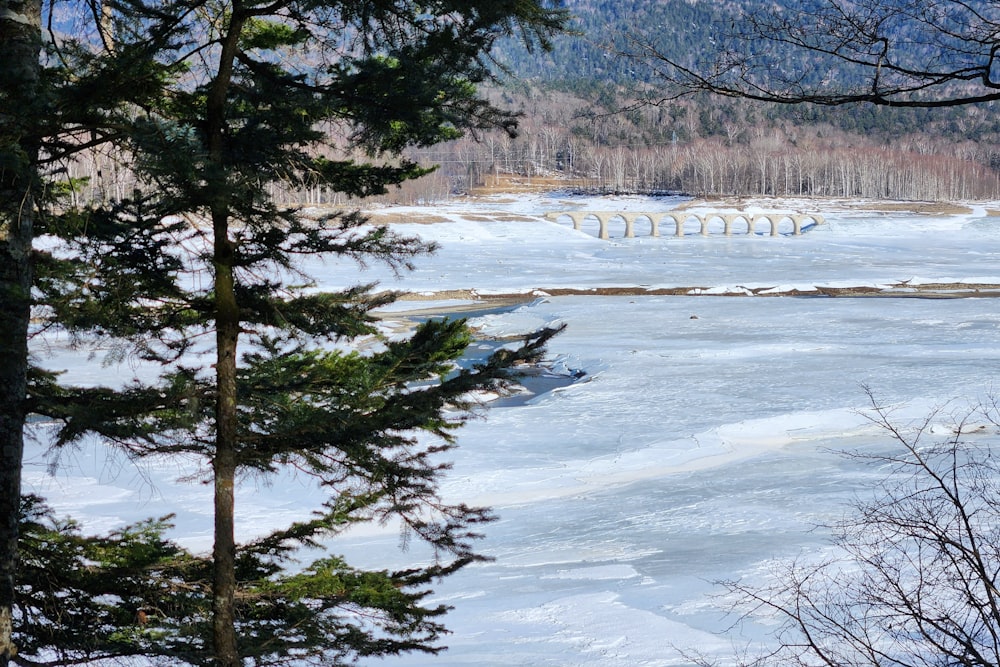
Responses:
[15,280]
[227,316]
[20,24]
[224,554]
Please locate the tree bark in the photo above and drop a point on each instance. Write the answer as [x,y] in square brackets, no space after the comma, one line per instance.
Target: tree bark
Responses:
[224,553]
[20,31]
[227,318]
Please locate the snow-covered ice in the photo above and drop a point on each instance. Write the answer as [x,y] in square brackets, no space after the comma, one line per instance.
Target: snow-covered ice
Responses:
[700,442]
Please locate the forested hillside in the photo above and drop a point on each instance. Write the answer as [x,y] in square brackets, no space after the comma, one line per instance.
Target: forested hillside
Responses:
[589,64]
[582,120]
[586,117]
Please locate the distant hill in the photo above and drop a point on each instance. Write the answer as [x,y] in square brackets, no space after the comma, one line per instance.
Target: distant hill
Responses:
[581,125]
[587,64]
[599,25]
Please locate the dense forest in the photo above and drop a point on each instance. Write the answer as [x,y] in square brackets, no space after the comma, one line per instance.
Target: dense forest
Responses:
[596,118]
[590,114]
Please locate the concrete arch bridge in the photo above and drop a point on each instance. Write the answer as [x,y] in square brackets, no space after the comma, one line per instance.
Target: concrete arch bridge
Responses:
[745,223]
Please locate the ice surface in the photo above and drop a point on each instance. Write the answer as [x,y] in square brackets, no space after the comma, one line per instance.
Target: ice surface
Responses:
[700,442]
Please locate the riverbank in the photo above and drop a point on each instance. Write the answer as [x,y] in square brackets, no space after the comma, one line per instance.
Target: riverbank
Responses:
[461,301]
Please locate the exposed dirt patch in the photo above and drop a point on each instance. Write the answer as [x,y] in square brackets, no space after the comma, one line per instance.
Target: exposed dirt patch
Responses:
[942,291]
[715,201]
[389,218]
[922,208]
[916,207]
[505,183]
[470,301]
[498,217]
[449,294]
[937,287]
[420,218]
[622,291]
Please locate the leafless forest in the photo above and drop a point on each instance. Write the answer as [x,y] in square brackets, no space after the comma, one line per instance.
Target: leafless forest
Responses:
[694,147]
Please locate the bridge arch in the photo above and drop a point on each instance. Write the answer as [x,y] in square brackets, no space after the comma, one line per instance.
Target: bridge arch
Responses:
[737,221]
[801,221]
[714,223]
[587,218]
[576,216]
[681,219]
[605,220]
[768,222]
[785,225]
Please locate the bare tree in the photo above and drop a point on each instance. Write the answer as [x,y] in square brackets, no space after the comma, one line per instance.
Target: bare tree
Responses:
[913,581]
[908,53]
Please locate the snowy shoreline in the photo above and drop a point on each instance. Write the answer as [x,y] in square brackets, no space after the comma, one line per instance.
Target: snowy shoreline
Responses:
[457,301]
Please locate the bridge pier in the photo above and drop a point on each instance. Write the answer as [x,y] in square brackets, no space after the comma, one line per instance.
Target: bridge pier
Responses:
[602,221]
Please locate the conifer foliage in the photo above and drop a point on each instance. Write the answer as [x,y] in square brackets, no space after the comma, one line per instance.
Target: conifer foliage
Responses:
[199,272]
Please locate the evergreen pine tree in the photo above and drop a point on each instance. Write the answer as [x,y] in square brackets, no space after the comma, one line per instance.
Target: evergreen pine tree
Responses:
[253,94]
[20,46]
[48,112]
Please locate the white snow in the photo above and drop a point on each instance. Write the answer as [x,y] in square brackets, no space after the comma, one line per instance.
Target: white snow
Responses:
[700,443]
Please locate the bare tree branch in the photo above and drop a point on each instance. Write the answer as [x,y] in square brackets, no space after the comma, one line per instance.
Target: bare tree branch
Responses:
[913,579]
[910,53]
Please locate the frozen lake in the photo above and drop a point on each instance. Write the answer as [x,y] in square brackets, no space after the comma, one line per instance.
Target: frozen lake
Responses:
[700,443]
